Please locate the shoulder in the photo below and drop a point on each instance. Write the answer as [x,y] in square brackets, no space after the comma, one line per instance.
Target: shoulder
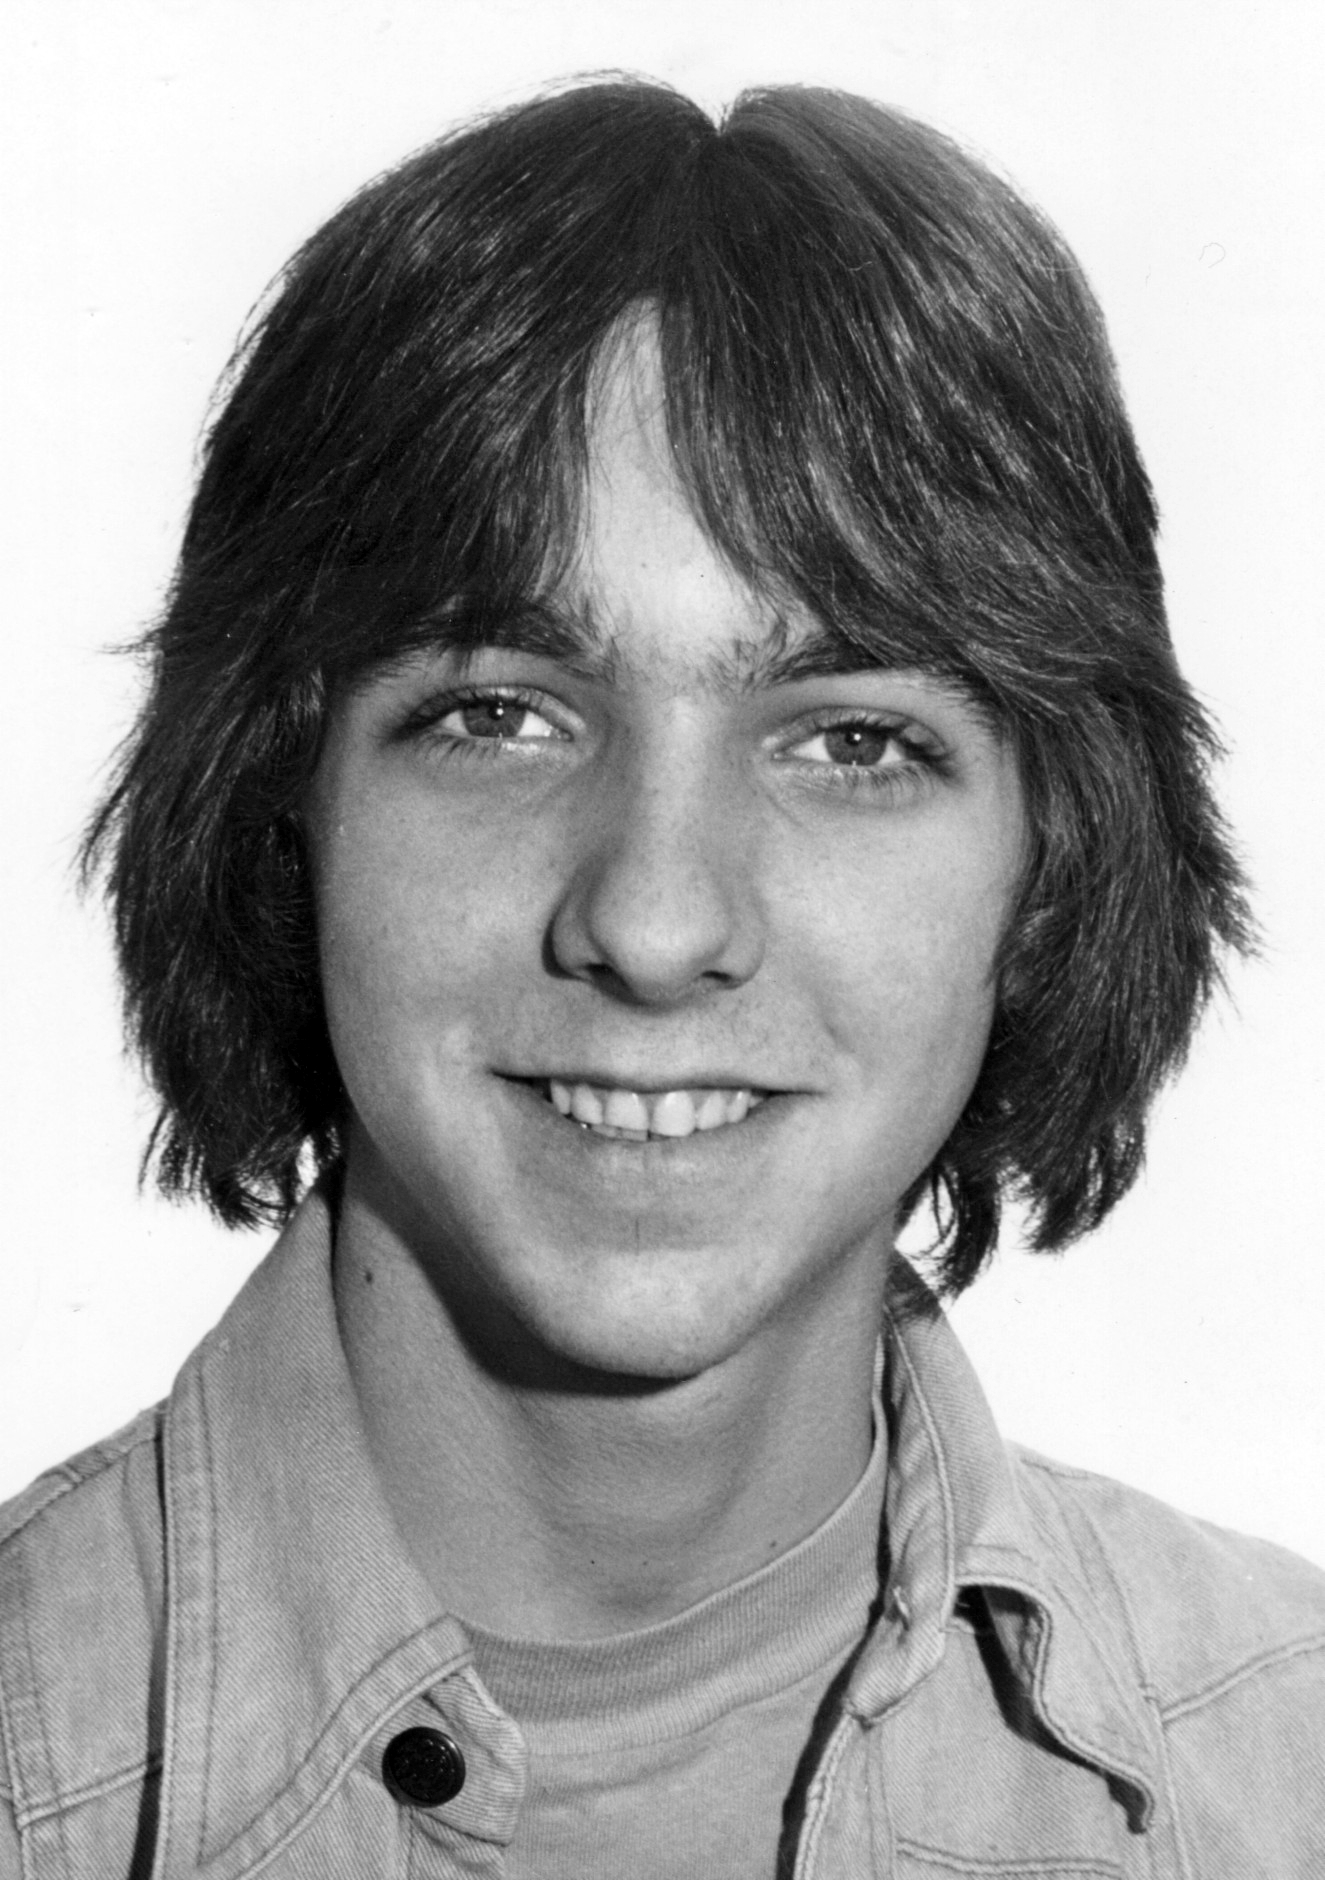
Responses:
[89,1466]
[85,1518]
[81,1611]
[1205,1607]
[1227,1638]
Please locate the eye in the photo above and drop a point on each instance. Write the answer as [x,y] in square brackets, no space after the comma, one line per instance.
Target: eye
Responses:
[858,744]
[493,715]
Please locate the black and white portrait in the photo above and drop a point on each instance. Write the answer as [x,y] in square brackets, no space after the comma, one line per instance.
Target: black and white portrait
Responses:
[609,715]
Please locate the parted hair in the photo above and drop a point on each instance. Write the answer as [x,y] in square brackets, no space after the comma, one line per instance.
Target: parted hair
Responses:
[890,397]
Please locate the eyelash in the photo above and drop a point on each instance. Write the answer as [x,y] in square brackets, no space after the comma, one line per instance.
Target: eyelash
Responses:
[923,759]
[425,721]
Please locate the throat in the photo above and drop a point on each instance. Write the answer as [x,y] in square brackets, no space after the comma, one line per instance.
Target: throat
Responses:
[541,1504]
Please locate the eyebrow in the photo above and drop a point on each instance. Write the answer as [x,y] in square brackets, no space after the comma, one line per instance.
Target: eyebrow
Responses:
[576,638]
[573,637]
[788,652]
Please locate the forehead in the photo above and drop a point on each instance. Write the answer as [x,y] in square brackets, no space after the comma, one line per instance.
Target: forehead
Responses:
[645,573]
[647,585]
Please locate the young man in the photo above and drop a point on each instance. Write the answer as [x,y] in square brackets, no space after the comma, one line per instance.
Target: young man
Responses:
[664,752]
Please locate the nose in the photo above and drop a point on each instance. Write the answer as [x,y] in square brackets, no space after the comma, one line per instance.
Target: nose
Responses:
[661,904]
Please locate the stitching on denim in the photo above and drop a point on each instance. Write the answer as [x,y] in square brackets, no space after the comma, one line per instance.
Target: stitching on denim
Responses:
[115,1447]
[1125,1606]
[140,1770]
[1148,1692]
[1263,1661]
[44,1733]
[1052,1541]
[213,1582]
[1049,1465]
[879,1810]
[434,1675]
[1151,1696]
[819,1797]
[166,1809]
[8,1748]
[7,1761]
[1109,1758]
[1010,1548]
[334,1780]
[960,1863]
[59,1482]
[65,1476]
[60,1485]
[1187,1870]
[940,1460]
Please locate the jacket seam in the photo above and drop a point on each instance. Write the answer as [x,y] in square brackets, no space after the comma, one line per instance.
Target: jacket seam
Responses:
[171,1752]
[1149,1692]
[1047,1465]
[65,1476]
[213,1634]
[820,1794]
[60,1485]
[7,1785]
[1124,1603]
[47,1756]
[6,1755]
[435,1674]
[332,1782]
[1263,1661]
[958,1863]
[171,1626]
[65,1800]
[937,1451]
[1109,1757]
[1185,1867]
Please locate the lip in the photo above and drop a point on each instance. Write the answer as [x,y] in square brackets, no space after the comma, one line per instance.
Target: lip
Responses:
[650,1084]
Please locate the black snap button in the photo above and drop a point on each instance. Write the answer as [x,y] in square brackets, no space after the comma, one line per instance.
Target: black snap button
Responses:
[423,1767]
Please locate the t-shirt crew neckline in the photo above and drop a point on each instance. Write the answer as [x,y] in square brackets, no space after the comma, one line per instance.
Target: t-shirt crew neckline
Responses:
[762,1635]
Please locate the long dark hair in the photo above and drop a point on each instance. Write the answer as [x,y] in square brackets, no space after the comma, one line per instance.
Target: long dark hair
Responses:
[889,394]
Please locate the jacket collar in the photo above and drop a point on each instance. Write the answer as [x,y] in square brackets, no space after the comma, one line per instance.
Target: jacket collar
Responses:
[958,1517]
[297,1624]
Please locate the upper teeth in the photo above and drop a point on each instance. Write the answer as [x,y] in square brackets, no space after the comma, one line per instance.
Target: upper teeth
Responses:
[638,1114]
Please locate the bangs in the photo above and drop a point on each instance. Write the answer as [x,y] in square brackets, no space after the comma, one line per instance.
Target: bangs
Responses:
[872,405]
[869,399]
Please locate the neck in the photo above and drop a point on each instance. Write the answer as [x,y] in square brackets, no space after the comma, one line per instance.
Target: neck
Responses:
[541,1505]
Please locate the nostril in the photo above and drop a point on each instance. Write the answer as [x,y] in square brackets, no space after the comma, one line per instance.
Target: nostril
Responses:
[653,928]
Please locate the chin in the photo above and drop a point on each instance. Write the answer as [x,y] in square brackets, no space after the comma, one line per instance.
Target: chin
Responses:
[663,1324]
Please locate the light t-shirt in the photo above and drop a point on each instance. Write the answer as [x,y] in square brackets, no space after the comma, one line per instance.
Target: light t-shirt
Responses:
[671,1751]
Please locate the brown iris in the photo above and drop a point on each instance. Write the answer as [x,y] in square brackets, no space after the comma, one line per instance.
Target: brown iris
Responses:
[493,717]
[858,744]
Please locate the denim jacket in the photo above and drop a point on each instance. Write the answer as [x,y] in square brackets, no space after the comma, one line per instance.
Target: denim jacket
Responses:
[209,1635]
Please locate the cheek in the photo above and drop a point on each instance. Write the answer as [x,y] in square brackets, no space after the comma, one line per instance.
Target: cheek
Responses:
[908,951]
[422,926]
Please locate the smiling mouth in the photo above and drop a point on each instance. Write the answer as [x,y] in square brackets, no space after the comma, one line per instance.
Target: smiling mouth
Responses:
[644,1115]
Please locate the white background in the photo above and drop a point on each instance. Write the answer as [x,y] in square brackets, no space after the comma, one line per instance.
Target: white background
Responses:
[162,158]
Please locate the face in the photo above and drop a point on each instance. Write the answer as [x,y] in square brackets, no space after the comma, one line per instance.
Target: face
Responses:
[659,964]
